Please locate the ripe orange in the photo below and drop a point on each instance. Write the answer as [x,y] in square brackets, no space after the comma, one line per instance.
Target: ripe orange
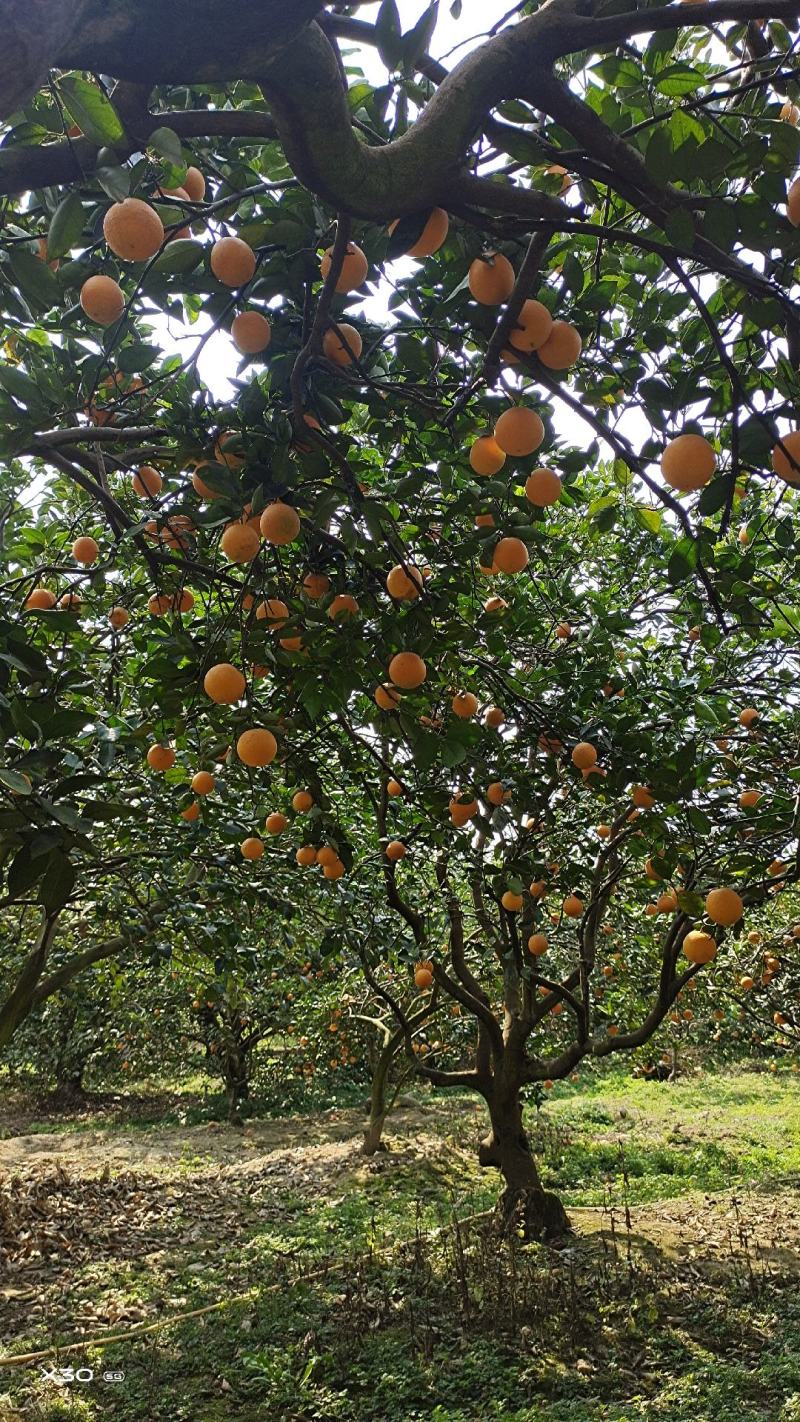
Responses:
[306,855]
[543,487]
[200,487]
[240,542]
[433,234]
[486,456]
[404,584]
[224,684]
[334,870]
[302,800]
[511,555]
[203,782]
[496,793]
[533,327]
[280,524]
[512,903]
[604,831]
[342,344]
[252,848]
[519,431]
[273,611]
[146,482]
[688,462]
[40,599]
[276,822]
[642,797]
[192,812]
[491,279]
[494,717]
[461,812]
[536,889]
[583,755]
[563,631]
[315,585]
[667,902]
[572,906]
[133,230]
[119,617]
[393,788]
[395,850]
[70,602]
[194,185]
[495,605]
[232,261]
[160,757]
[407,670]
[387,697]
[562,347]
[354,268]
[699,947]
[724,906]
[251,332]
[102,299]
[748,717]
[256,747]
[537,944]
[464,705]
[749,799]
[85,550]
[787,465]
[343,605]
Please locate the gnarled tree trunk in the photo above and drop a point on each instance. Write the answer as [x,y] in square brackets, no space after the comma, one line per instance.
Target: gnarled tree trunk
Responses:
[507,1148]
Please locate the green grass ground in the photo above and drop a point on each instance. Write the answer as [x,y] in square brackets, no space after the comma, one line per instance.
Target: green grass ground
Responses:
[679,1299]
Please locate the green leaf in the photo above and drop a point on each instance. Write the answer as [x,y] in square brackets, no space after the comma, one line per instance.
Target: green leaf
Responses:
[16,782]
[649,519]
[90,109]
[679,228]
[677,80]
[17,383]
[167,143]
[58,882]
[417,40]
[66,226]
[181,255]
[36,281]
[115,182]
[388,34]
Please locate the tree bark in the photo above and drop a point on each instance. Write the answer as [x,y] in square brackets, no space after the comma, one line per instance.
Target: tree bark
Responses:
[378,1110]
[21,999]
[524,1201]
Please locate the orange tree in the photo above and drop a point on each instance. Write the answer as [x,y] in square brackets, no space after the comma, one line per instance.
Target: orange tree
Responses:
[523,525]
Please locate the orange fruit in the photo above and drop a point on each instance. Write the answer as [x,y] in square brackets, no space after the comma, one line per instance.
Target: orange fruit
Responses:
[343,605]
[604,831]
[194,185]
[563,630]
[464,705]
[537,944]
[749,799]
[519,431]
[583,755]
[562,347]
[85,550]
[192,812]
[542,487]
[146,482]
[40,599]
[495,605]
[306,855]
[160,757]
[407,670]
[494,717]
[491,279]
[536,889]
[642,797]
[256,747]
[395,850]
[342,344]
[788,465]
[699,947]
[511,555]
[251,332]
[302,800]
[280,524]
[533,327]
[70,602]
[387,697]
[119,617]
[393,787]
[667,902]
[572,906]
[327,855]
[203,782]
[433,234]
[496,793]
[200,487]
[724,906]
[748,717]
[276,822]
[224,684]
[354,268]
[240,542]
[512,903]
[233,262]
[461,811]
[334,871]
[133,230]
[226,449]
[273,611]
[252,848]
[315,585]
[102,299]
[486,456]
[423,977]
[688,462]
[404,584]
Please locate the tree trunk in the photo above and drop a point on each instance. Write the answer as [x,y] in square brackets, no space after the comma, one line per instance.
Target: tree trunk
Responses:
[378,1109]
[524,1201]
[20,1000]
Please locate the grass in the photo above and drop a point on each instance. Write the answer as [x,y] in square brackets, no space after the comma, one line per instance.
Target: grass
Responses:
[680,1318]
